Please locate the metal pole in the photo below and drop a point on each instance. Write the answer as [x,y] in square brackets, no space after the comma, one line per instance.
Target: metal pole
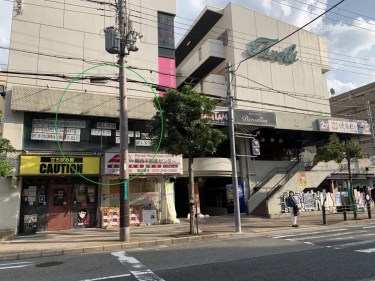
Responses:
[371,121]
[124,146]
[233,150]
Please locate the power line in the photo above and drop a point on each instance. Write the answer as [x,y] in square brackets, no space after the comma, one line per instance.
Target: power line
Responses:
[326,18]
[229,29]
[61,9]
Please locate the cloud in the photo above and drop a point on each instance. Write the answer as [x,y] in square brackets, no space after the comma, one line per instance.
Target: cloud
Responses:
[350,39]
[5,24]
[340,87]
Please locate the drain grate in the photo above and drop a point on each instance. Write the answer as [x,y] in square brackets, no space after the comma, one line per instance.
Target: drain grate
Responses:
[49,264]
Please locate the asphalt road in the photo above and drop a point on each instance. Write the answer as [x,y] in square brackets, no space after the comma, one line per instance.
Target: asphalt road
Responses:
[346,253]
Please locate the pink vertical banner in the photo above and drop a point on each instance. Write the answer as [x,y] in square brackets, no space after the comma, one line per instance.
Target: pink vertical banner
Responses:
[167,73]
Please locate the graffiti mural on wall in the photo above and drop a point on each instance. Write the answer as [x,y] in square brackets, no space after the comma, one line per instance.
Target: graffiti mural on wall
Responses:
[309,201]
[313,201]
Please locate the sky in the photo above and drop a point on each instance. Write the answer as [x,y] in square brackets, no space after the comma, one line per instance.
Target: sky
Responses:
[349,28]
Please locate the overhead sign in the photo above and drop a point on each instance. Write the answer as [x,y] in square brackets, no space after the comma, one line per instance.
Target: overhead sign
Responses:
[58,165]
[145,164]
[349,127]
[248,117]
[288,55]
[244,117]
[219,117]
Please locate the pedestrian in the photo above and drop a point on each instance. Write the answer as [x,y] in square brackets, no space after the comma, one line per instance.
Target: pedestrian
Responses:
[293,208]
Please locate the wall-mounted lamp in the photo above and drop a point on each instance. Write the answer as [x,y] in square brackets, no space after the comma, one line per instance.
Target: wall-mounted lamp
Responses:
[262,139]
[281,140]
[272,139]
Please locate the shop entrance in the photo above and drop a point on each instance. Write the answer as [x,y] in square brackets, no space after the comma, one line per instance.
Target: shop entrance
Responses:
[59,215]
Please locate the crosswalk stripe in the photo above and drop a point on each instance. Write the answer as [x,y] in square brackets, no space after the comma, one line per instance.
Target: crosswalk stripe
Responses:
[309,233]
[330,235]
[346,245]
[15,265]
[368,251]
[372,226]
[136,268]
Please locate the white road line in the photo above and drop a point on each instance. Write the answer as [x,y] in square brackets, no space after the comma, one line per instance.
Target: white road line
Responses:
[367,251]
[309,243]
[107,277]
[309,233]
[330,235]
[15,265]
[369,226]
[341,246]
[139,271]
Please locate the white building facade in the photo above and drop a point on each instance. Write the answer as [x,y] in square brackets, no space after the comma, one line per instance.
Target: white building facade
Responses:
[61,124]
[280,95]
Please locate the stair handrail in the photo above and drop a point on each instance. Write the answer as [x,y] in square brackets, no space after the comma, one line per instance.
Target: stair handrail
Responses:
[272,173]
[291,171]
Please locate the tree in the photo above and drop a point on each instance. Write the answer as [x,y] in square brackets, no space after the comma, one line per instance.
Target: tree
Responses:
[337,151]
[185,131]
[5,166]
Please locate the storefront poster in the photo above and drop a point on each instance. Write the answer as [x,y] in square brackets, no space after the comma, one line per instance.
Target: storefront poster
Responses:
[110,216]
[308,200]
[302,179]
[230,197]
[83,217]
[149,217]
[136,215]
[338,199]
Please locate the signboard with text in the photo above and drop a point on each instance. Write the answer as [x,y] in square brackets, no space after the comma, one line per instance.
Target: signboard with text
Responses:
[145,164]
[340,126]
[59,165]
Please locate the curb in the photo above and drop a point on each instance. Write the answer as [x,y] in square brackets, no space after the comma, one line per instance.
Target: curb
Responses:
[162,241]
[115,247]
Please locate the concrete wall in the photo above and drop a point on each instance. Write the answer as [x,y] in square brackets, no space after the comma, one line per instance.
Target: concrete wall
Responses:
[13,124]
[9,205]
[313,179]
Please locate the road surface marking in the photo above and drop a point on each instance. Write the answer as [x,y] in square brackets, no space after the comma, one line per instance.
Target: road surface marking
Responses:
[369,226]
[107,277]
[139,271]
[341,246]
[367,251]
[329,235]
[308,243]
[309,233]
[15,265]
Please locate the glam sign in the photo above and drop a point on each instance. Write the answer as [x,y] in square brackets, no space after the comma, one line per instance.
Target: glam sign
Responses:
[288,55]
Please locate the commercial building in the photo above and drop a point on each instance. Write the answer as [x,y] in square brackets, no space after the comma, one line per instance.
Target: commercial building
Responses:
[65,129]
[280,96]
[357,104]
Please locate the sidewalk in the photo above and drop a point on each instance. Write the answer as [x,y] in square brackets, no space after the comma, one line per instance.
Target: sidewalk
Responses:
[77,241]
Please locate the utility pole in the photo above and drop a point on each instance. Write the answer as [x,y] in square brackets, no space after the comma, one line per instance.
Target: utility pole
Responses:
[122,41]
[233,150]
[124,146]
[371,122]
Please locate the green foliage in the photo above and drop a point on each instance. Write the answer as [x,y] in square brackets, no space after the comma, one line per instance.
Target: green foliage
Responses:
[184,130]
[336,151]
[5,166]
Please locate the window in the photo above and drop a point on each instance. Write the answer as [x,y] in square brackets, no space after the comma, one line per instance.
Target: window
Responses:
[165,31]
